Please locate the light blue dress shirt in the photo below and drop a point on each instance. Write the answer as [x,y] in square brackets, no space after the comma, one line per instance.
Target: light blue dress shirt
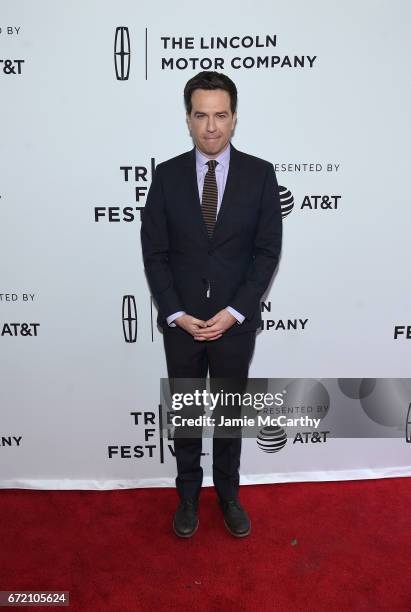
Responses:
[221,172]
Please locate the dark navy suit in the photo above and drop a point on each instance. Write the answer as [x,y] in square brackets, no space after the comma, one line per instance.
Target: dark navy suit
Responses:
[237,264]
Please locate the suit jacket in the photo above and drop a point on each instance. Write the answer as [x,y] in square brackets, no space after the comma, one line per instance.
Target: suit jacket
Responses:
[237,262]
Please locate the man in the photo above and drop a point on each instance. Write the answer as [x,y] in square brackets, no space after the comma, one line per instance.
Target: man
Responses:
[211,238]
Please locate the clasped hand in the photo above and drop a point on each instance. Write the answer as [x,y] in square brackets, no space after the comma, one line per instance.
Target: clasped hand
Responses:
[206,330]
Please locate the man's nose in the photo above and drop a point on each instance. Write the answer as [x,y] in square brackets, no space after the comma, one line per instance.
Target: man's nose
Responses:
[211,127]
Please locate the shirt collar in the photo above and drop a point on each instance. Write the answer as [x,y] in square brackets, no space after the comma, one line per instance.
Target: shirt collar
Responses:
[223,159]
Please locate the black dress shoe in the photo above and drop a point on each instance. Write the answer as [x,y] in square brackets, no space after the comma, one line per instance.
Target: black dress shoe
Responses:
[236,518]
[186,521]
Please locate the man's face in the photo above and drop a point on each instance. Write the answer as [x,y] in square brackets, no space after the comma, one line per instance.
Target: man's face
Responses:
[211,121]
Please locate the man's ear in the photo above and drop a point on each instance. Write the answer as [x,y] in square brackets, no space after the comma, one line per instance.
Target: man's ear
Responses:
[234,119]
[188,120]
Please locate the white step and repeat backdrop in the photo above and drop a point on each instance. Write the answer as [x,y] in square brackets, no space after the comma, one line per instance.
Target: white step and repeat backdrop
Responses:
[91,100]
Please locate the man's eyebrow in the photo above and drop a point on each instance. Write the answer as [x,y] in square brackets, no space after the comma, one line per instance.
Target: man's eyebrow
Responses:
[223,112]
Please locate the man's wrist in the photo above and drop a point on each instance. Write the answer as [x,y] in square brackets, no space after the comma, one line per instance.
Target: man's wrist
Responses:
[170,319]
[237,315]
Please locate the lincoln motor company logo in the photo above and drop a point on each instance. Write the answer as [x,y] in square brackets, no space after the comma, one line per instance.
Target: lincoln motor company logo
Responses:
[122,53]
[129,318]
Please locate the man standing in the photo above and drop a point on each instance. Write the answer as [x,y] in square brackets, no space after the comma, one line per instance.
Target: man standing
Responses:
[211,238]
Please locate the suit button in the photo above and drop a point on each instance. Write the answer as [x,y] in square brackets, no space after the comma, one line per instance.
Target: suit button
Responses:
[210,251]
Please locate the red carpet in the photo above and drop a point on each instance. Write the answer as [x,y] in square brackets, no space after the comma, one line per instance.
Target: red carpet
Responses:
[313,546]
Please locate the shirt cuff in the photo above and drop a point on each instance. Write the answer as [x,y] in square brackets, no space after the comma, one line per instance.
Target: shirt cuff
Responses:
[174,316]
[240,318]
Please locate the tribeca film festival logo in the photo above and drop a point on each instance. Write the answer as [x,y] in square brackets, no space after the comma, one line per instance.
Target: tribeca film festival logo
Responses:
[152,444]
[146,424]
[140,178]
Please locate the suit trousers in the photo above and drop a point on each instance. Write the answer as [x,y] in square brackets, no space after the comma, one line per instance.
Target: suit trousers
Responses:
[226,358]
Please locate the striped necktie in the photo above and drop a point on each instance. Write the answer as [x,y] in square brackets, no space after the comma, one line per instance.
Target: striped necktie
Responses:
[210,197]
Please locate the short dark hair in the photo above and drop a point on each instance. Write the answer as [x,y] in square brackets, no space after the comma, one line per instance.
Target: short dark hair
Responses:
[210,80]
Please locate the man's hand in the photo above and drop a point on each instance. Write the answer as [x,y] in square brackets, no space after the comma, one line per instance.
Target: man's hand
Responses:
[190,324]
[216,326]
